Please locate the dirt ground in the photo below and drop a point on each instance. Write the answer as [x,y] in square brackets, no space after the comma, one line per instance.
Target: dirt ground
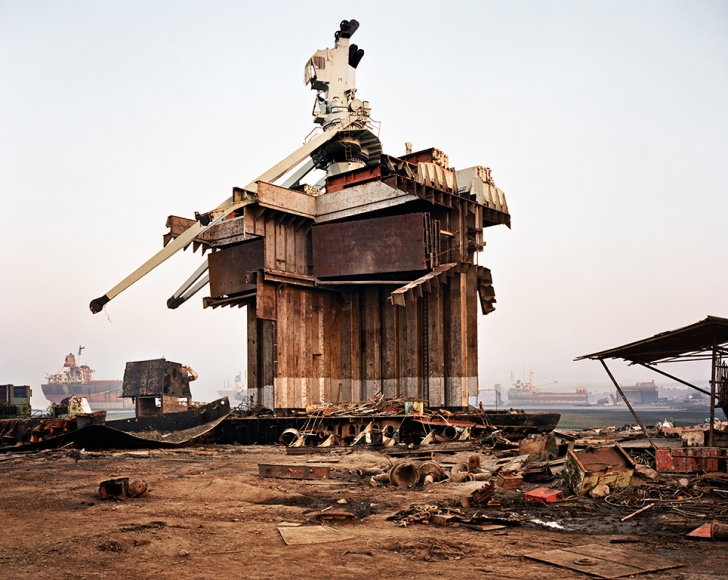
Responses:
[209,515]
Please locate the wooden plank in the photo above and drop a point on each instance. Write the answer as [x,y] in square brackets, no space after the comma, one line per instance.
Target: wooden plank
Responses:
[280,241]
[267,340]
[356,374]
[346,348]
[300,241]
[471,314]
[265,301]
[463,303]
[410,350]
[453,332]
[435,349]
[286,200]
[253,373]
[302,317]
[290,248]
[389,349]
[319,362]
[372,342]
[331,308]
[270,245]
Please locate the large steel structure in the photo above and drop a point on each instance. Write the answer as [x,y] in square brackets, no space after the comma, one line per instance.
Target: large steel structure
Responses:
[364,281]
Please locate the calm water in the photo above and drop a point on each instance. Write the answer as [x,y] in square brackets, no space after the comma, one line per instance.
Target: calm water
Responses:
[588,417]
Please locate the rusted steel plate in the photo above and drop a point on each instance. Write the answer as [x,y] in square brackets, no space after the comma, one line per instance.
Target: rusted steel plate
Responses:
[293,471]
[228,267]
[373,246]
[338,182]
[287,200]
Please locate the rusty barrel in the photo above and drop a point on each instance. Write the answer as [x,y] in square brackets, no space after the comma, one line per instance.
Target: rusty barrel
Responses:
[719,531]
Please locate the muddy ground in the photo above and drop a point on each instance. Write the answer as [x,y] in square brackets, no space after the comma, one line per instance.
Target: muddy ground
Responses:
[209,515]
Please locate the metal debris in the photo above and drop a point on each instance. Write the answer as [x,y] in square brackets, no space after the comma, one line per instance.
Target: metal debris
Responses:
[121,488]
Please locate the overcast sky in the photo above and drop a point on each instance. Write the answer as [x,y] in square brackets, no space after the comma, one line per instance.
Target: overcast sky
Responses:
[606,124]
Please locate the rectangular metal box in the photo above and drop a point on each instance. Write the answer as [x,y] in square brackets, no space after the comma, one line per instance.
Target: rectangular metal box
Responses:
[509,481]
[585,469]
[689,459]
[544,495]
[229,267]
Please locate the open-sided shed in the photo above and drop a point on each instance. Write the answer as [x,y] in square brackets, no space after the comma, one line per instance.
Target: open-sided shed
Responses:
[704,340]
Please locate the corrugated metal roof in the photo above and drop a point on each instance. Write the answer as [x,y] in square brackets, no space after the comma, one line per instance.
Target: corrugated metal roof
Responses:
[686,342]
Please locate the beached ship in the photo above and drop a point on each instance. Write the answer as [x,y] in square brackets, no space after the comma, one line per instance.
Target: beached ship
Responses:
[77,380]
[526,394]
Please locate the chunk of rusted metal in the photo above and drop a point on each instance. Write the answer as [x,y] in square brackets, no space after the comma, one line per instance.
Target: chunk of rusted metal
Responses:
[509,480]
[481,496]
[229,267]
[294,471]
[121,488]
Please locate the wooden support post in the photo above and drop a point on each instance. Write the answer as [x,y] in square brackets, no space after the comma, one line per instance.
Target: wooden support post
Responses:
[619,389]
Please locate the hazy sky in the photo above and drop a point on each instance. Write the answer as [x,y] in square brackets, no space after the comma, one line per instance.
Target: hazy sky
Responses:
[606,124]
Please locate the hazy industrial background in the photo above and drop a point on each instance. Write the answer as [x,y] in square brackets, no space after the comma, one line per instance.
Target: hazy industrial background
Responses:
[604,122]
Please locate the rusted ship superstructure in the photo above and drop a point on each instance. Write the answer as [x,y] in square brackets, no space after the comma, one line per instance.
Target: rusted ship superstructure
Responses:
[359,270]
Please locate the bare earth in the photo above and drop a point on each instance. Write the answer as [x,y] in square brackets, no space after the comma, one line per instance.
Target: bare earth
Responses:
[209,515]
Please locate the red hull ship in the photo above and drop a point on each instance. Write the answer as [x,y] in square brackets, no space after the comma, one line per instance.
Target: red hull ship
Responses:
[77,380]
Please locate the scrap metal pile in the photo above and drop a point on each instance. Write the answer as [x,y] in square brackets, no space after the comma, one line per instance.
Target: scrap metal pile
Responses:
[378,405]
[560,481]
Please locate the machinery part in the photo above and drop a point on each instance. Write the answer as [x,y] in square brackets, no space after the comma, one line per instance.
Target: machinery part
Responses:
[451,433]
[364,471]
[429,472]
[404,475]
[459,468]
[289,436]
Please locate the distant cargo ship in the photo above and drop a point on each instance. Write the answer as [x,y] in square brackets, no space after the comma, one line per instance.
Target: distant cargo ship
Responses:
[238,391]
[77,380]
[526,394]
